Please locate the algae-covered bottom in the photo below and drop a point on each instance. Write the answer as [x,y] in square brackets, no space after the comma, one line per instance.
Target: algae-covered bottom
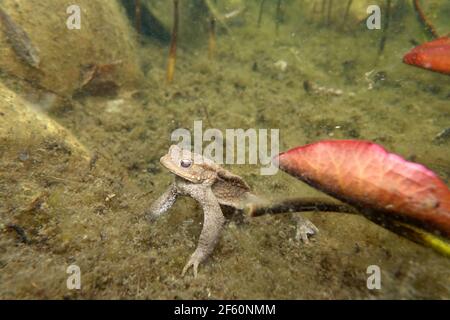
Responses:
[80,187]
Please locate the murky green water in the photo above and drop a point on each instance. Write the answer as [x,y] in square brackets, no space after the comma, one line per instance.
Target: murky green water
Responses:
[81,138]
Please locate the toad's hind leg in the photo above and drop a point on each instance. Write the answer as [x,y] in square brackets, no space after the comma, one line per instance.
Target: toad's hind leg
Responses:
[212,228]
[305,229]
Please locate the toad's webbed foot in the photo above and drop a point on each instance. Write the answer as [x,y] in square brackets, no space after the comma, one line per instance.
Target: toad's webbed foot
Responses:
[305,229]
[196,258]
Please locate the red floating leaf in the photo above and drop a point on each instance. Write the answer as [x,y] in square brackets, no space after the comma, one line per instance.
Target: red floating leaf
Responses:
[433,55]
[365,175]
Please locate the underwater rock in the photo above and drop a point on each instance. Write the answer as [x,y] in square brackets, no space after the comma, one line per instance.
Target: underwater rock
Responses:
[365,175]
[105,35]
[23,128]
[35,152]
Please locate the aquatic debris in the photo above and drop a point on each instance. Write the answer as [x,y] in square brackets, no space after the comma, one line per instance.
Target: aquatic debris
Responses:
[19,230]
[98,79]
[114,106]
[378,183]
[311,87]
[442,136]
[173,44]
[20,41]
[38,203]
[93,160]
[234,13]
[433,55]
[281,65]
[375,78]
[109,197]
[24,156]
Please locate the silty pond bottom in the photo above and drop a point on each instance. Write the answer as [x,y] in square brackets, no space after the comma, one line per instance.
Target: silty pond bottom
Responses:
[83,127]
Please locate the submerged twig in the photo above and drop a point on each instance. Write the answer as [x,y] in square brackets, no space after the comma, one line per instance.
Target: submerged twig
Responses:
[20,41]
[173,44]
[429,28]
[37,203]
[385,28]
[94,71]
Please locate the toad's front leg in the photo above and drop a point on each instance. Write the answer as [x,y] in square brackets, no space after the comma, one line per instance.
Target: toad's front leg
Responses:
[163,203]
[212,227]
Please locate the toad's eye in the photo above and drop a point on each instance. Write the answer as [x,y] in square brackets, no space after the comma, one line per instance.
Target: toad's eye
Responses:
[185,163]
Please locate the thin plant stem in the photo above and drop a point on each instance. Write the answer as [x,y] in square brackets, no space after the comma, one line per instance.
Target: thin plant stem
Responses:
[261,7]
[137,15]
[429,28]
[173,44]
